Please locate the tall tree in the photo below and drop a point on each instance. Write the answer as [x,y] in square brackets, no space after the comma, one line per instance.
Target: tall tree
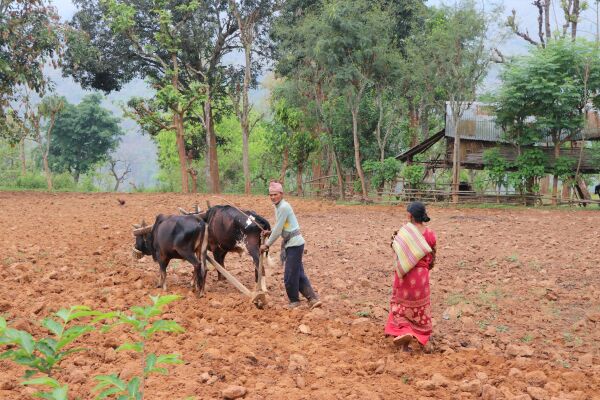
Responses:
[83,136]
[457,47]
[545,94]
[252,17]
[38,120]
[352,40]
[178,45]
[29,37]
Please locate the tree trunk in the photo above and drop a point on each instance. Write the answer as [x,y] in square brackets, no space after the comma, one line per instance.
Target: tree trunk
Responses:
[246,115]
[555,180]
[413,124]
[299,190]
[211,142]
[547,19]
[424,121]
[575,19]
[76,175]
[338,170]
[359,169]
[22,156]
[455,158]
[180,141]
[47,172]
[245,159]
[179,132]
[284,165]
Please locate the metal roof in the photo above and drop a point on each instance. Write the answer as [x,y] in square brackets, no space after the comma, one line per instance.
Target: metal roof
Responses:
[478,122]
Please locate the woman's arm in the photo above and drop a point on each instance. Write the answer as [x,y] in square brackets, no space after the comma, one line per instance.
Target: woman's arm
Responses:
[432,263]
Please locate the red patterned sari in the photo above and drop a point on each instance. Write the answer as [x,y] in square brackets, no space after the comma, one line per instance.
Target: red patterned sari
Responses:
[410,306]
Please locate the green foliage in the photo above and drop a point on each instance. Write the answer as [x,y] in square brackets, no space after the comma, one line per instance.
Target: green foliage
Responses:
[564,168]
[64,181]
[43,356]
[142,321]
[543,93]
[530,167]
[83,136]
[31,180]
[496,166]
[382,172]
[413,174]
[29,37]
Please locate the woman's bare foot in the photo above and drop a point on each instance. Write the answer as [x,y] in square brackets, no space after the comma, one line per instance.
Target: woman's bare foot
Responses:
[403,341]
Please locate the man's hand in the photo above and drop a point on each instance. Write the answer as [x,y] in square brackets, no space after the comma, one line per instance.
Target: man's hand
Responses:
[265,233]
[264,248]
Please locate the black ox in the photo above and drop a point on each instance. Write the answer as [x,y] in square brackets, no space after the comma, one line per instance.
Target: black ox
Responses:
[597,190]
[229,229]
[175,236]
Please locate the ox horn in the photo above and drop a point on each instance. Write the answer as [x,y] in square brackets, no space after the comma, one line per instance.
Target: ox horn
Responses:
[182,211]
[143,230]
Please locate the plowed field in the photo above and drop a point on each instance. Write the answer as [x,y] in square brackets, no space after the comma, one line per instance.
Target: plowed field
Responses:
[515,299]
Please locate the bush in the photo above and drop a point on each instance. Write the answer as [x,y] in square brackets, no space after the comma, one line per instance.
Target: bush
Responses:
[64,181]
[31,180]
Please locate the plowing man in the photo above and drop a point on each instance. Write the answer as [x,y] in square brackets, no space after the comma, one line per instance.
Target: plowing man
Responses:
[292,249]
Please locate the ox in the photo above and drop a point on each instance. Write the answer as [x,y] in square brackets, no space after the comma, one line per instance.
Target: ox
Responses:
[597,190]
[175,236]
[229,229]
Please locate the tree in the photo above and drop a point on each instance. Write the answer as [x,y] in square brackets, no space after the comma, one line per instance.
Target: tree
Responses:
[457,47]
[29,37]
[179,46]
[119,178]
[38,120]
[84,135]
[544,95]
[352,40]
[252,18]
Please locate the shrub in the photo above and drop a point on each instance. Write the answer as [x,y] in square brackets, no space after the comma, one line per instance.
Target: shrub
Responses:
[31,180]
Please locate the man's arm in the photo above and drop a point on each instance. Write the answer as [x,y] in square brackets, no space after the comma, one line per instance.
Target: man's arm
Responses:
[278,228]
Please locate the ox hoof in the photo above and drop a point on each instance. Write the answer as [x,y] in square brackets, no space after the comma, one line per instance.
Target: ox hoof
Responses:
[259,300]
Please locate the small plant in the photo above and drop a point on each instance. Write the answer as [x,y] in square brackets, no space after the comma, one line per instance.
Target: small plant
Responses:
[483,324]
[455,298]
[44,355]
[461,264]
[364,313]
[502,328]
[514,258]
[140,320]
[405,379]
[527,338]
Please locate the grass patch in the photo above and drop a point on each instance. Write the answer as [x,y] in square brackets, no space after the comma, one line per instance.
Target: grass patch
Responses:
[364,313]
[527,338]
[455,298]
[489,299]
[502,329]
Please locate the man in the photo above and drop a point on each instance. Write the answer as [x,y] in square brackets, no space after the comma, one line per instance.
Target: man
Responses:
[292,249]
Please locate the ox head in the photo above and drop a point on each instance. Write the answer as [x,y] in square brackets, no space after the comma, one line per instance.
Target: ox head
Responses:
[143,234]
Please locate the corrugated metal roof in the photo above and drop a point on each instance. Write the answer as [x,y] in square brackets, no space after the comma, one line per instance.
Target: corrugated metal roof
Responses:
[478,122]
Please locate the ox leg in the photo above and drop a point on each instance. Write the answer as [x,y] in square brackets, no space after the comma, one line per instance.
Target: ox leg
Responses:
[162,277]
[220,258]
[254,251]
[199,271]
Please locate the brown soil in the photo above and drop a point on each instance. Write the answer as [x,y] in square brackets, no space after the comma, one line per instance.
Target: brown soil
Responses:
[515,298]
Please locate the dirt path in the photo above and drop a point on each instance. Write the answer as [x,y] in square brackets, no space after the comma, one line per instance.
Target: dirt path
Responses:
[515,298]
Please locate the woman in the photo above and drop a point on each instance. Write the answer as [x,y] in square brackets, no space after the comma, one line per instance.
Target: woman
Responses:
[410,308]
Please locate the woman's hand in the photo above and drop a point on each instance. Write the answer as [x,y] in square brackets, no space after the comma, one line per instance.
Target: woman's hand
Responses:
[264,248]
[393,238]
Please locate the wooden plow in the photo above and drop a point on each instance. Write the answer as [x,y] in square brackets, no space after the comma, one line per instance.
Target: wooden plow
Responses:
[259,296]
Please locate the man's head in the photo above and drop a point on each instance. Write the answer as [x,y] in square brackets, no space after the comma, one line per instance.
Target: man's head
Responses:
[275,192]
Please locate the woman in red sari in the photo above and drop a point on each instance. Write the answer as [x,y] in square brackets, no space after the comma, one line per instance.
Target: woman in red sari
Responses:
[410,306]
